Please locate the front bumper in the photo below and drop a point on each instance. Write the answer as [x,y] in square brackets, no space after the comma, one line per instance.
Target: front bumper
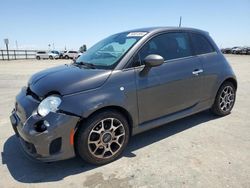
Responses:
[50,144]
[56,57]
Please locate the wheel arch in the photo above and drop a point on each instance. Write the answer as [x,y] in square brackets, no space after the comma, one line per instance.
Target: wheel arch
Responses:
[119,109]
[215,109]
[232,80]
[229,79]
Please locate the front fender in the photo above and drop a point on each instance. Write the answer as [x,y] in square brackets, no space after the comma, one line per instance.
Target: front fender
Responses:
[118,91]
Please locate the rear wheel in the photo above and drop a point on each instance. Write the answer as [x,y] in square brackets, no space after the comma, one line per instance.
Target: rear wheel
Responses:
[224,100]
[38,57]
[66,57]
[103,137]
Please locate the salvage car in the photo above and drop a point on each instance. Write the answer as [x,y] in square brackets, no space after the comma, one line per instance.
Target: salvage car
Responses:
[127,83]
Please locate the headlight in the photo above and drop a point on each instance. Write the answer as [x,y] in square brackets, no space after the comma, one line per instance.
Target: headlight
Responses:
[49,104]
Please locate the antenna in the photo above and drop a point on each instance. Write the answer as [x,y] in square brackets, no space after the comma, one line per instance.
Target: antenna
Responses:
[180,21]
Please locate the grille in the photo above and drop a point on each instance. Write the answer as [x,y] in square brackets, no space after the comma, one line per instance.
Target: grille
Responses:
[55,146]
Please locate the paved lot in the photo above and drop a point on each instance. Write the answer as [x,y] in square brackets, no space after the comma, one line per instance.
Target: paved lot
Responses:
[198,151]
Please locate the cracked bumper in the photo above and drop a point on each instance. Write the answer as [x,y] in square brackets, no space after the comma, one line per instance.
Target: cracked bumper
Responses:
[52,144]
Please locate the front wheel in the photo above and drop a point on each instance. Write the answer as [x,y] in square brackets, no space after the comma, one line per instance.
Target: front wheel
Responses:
[103,137]
[224,100]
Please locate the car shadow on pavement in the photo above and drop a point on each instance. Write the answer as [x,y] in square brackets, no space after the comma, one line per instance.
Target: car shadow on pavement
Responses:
[25,170]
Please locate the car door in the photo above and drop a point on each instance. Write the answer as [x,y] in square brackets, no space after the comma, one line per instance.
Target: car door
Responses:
[71,54]
[44,55]
[210,62]
[175,85]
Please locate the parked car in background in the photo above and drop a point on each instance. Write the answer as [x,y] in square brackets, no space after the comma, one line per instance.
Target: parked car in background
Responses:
[55,52]
[128,83]
[61,54]
[70,54]
[245,50]
[226,50]
[47,55]
[236,50]
[41,55]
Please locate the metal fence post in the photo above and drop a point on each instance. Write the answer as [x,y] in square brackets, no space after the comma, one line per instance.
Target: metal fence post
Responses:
[2,55]
[15,54]
[7,47]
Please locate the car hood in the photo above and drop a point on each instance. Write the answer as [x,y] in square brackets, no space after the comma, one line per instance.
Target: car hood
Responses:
[67,79]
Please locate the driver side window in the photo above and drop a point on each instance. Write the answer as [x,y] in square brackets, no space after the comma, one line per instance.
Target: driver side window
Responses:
[149,48]
[169,46]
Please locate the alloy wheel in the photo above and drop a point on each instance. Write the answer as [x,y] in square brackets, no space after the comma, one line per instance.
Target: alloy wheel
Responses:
[227,98]
[106,138]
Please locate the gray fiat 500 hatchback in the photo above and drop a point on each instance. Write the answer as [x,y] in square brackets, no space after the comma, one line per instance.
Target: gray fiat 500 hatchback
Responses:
[125,84]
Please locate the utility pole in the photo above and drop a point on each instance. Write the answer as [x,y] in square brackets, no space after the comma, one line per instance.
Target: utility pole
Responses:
[180,21]
[6,41]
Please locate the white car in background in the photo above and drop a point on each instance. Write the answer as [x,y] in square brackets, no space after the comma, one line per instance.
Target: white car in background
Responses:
[47,55]
[70,54]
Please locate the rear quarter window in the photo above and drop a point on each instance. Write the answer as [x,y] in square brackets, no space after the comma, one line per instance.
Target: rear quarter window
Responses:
[201,44]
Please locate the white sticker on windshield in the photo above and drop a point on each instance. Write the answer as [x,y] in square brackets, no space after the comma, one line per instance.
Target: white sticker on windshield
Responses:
[136,34]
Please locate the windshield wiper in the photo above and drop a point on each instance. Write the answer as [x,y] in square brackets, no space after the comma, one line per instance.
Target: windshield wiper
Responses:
[89,65]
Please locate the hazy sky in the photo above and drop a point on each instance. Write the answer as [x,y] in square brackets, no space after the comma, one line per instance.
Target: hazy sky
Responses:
[37,23]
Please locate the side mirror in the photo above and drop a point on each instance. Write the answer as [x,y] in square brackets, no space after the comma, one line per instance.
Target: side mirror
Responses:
[150,61]
[153,60]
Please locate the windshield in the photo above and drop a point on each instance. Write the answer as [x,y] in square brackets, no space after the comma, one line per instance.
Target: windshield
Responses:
[107,53]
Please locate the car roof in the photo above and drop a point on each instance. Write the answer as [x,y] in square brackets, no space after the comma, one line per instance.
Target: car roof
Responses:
[162,29]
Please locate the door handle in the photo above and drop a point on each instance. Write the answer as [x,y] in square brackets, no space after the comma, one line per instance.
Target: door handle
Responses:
[197,72]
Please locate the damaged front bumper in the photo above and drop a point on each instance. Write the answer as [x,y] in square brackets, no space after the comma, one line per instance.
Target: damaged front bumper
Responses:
[46,138]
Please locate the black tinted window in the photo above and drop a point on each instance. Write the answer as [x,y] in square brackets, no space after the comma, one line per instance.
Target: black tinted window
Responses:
[54,52]
[169,46]
[41,52]
[201,44]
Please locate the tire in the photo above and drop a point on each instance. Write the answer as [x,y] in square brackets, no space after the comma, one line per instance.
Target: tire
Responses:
[224,100]
[38,57]
[95,139]
[50,57]
[66,57]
